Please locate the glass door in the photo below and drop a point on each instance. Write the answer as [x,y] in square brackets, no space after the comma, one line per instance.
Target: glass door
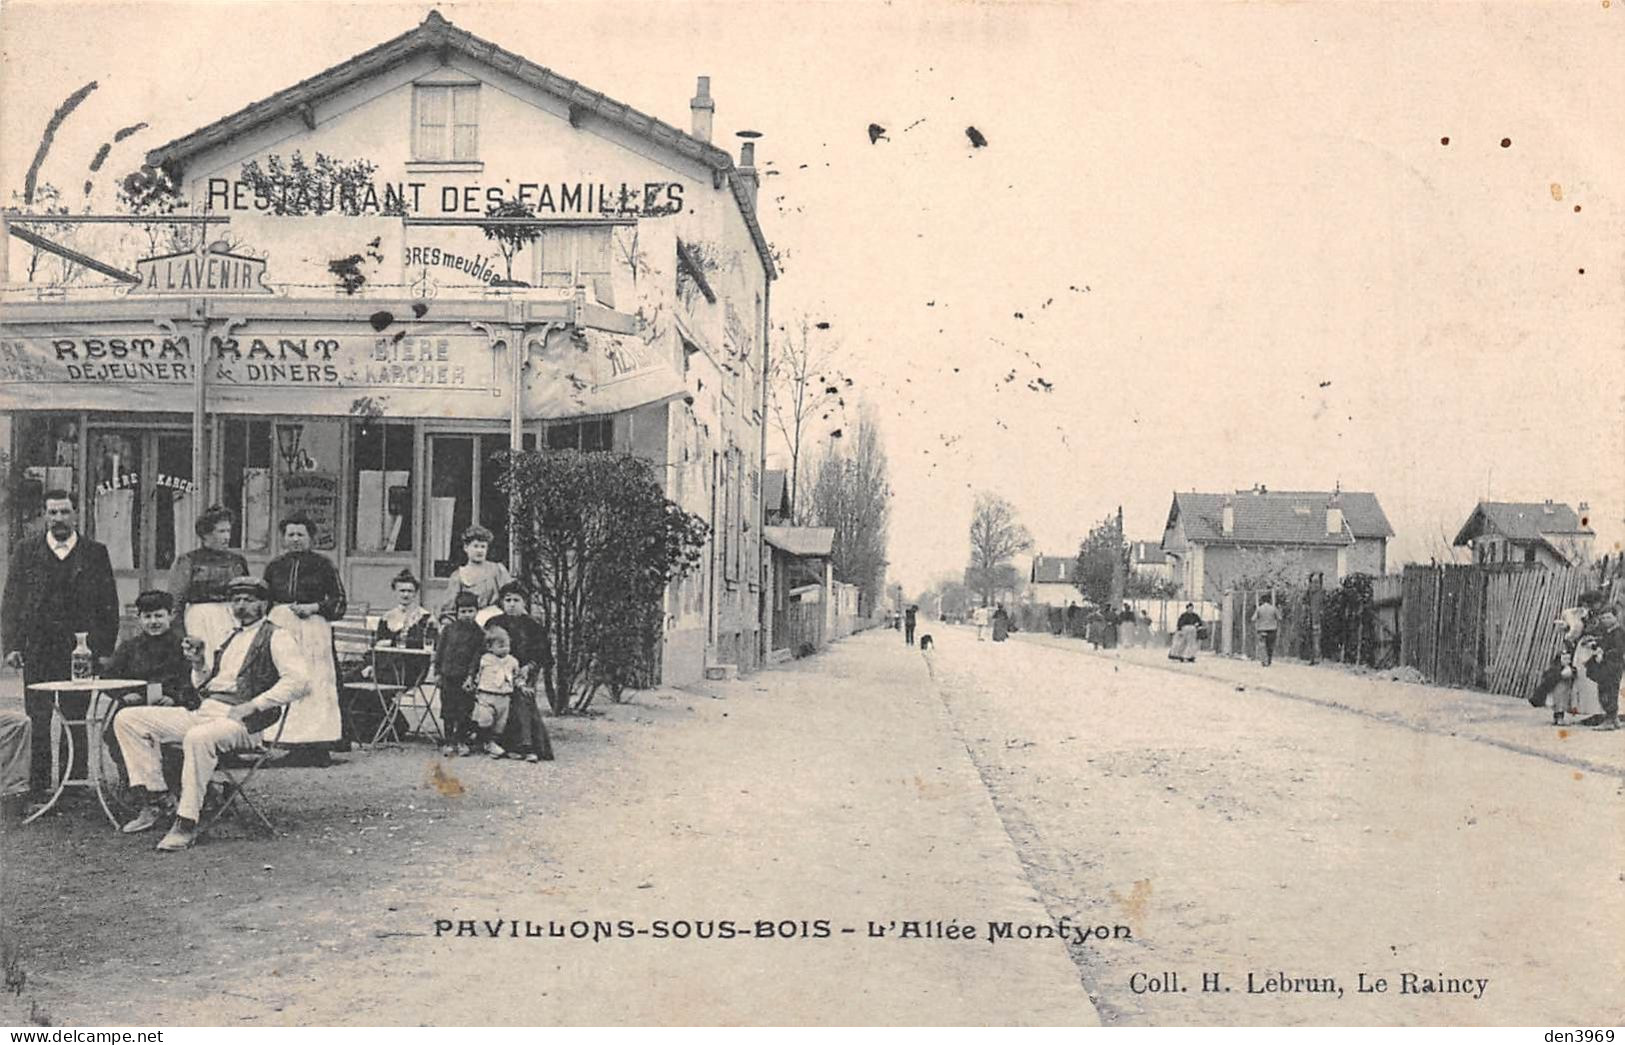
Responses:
[142,502]
[465,488]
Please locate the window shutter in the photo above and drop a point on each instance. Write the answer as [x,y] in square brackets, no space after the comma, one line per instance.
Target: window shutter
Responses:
[465,123]
[431,104]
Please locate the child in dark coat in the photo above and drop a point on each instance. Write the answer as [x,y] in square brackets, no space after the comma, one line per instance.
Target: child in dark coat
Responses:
[457,660]
[526,735]
[154,653]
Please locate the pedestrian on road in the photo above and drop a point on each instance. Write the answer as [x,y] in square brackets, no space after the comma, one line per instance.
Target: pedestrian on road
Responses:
[981,619]
[1127,623]
[1607,669]
[908,624]
[1001,625]
[59,583]
[1266,621]
[1184,645]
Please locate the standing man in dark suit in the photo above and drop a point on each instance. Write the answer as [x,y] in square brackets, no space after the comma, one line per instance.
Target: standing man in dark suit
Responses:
[59,583]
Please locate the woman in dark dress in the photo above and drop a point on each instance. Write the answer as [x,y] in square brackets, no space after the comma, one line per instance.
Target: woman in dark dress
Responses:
[407,625]
[198,581]
[306,595]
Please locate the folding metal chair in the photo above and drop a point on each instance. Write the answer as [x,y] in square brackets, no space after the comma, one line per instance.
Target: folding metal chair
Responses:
[419,708]
[238,768]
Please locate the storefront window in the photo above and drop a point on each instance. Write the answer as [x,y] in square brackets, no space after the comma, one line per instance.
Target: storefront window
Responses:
[47,452]
[113,516]
[582,435]
[246,461]
[383,488]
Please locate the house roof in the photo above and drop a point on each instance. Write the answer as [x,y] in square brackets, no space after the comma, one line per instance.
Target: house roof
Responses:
[1278,517]
[1147,553]
[436,34]
[1520,521]
[1053,569]
[773,492]
[805,541]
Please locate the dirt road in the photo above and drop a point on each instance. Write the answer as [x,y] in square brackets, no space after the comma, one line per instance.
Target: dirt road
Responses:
[817,798]
[1245,834]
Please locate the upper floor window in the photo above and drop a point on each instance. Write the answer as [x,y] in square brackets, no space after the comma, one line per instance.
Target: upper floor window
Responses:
[571,255]
[445,122]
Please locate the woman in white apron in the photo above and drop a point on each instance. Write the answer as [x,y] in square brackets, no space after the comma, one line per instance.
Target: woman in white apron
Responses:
[198,581]
[306,595]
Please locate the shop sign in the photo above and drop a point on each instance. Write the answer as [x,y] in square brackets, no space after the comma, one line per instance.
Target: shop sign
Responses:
[192,272]
[550,199]
[315,495]
[442,363]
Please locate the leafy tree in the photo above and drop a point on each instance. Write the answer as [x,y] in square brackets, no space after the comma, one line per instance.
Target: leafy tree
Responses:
[47,200]
[1149,586]
[995,538]
[511,239]
[297,186]
[599,543]
[1349,621]
[851,492]
[1101,556]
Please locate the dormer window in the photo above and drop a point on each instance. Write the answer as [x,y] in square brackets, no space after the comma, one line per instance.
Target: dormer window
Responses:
[445,122]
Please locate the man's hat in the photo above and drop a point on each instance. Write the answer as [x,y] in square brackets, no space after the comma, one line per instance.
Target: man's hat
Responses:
[248,586]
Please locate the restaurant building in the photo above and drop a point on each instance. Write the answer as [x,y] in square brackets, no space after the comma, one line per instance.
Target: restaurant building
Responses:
[334,331]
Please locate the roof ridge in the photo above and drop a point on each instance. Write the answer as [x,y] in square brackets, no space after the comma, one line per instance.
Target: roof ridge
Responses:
[436,30]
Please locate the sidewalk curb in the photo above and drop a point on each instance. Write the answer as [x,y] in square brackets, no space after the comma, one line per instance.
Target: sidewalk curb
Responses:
[1376,716]
[1081,971]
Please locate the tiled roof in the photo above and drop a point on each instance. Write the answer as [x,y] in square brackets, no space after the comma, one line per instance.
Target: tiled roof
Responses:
[1053,569]
[1278,517]
[1520,521]
[434,33]
[1147,553]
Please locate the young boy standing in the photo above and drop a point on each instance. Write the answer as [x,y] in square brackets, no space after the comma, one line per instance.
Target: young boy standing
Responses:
[457,659]
[499,676]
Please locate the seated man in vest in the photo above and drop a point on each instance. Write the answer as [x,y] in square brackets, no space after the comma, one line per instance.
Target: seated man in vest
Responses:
[257,671]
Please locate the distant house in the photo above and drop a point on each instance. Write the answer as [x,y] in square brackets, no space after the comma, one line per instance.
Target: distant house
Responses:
[1052,581]
[1217,541]
[1147,559]
[775,498]
[1549,534]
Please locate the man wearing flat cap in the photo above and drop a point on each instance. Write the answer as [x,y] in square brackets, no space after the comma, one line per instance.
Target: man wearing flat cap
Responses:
[257,672]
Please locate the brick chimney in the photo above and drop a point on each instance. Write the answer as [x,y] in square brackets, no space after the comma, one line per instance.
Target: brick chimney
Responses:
[702,108]
[747,170]
[1228,523]
[1334,513]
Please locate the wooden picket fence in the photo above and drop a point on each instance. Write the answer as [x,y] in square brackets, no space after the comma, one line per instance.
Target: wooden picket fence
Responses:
[1490,626]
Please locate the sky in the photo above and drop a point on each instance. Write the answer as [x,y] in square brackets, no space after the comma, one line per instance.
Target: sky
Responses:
[1251,243]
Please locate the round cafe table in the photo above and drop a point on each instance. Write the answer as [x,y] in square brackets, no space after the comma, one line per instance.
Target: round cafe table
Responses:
[94,721]
[387,684]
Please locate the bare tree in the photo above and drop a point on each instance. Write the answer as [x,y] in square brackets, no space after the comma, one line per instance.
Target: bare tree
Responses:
[995,538]
[851,492]
[807,396]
